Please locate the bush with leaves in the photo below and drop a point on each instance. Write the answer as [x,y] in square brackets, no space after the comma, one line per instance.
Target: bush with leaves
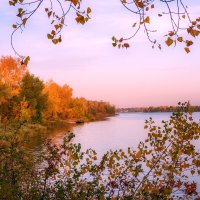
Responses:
[161,167]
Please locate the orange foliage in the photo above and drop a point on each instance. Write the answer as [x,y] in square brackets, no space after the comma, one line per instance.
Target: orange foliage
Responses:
[58,98]
[24,97]
[11,73]
[62,105]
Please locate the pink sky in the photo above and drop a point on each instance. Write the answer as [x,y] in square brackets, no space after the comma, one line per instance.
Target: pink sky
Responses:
[88,63]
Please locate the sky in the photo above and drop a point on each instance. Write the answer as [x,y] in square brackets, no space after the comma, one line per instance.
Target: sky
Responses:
[87,62]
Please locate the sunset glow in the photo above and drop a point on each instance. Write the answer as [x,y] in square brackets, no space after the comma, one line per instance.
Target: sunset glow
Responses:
[87,62]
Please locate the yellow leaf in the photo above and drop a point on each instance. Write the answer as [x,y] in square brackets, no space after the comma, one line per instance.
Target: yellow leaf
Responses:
[138,155]
[180,39]
[187,49]
[134,25]
[171,33]
[24,21]
[194,23]
[148,165]
[180,152]
[147,20]
[80,19]
[26,61]
[193,32]
[14,26]
[49,36]
[126,45]
[169,41]
[75,2]
[140,4]
[89,10]
[189,43]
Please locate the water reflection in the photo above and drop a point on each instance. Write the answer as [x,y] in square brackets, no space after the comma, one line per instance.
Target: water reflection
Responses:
[122,131]
[36,143]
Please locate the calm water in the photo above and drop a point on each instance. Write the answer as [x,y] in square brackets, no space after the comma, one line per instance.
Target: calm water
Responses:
[122,131]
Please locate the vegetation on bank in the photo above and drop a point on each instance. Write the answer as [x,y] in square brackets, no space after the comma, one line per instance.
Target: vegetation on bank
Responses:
[164,166]
[161,167]
[24,98]
[156,109]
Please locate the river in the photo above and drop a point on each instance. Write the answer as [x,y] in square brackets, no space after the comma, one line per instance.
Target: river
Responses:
[121,131]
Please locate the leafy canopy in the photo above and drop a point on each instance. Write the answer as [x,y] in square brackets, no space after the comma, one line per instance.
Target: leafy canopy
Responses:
[183,29]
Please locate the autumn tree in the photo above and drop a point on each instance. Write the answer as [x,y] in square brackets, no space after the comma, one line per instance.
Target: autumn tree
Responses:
[25,112]
[3,93]
[86,110]
[11,73]
[78,109]
[58,99]
[62,105]
[25,98]
[31,91]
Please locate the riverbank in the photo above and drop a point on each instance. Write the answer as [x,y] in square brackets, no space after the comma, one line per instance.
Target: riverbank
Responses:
[60,123]
[31,129]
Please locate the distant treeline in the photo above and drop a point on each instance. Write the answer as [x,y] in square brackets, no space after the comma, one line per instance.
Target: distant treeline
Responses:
[26,98]
[155,109]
